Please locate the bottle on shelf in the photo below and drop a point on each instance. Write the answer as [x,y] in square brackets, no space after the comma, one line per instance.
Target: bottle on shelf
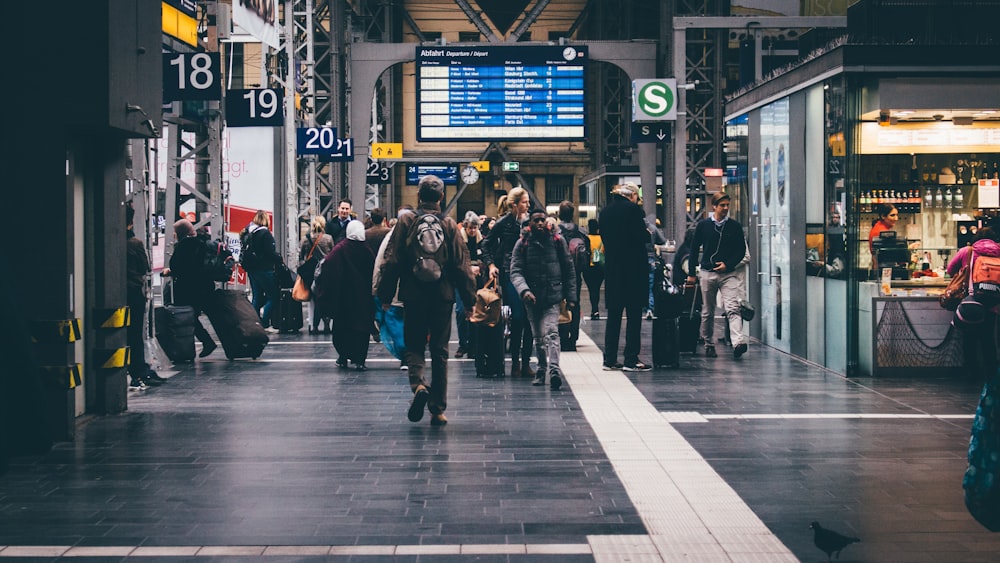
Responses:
[939,199]
[928,199]
[949,198]
[959,201]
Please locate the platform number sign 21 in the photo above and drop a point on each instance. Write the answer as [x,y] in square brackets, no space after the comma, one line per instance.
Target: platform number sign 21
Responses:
[254,108]
[191,76]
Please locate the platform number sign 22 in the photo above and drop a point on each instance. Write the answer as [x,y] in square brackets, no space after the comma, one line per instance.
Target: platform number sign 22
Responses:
[254,108]
[191,76]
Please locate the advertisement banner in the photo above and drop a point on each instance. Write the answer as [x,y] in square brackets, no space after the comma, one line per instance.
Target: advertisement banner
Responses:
[258,18]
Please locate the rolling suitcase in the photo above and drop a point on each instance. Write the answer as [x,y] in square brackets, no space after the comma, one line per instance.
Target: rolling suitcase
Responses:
[289,317]
[689,323]
[174,328]
[236,324]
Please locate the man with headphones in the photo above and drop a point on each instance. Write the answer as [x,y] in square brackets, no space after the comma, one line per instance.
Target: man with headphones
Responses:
[720,250]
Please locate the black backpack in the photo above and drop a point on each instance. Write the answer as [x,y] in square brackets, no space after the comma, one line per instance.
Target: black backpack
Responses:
[248,258]
[217,260]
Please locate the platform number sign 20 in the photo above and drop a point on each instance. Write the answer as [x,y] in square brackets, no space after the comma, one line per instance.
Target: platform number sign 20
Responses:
[191,76]
[254,108]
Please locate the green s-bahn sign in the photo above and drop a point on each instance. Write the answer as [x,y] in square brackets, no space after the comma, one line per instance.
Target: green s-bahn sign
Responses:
[654,99]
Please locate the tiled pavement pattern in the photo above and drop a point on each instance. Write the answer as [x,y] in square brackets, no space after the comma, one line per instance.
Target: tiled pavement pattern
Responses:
[291,459]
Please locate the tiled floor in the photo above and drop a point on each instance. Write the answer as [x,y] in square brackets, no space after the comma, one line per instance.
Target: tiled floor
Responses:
[291,459]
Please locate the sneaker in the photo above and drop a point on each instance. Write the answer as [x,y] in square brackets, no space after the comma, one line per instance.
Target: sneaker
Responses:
[150,382]
[341,363]
[271,330]
[538,380]
[420,397]
[612,367]
[595,316]
[555,381]
[361,367]
[649,315]
[638,366]
[739,350]
[152,375]
[710,351]
[136,385]
[404,367]
[207,349]
[460,352]
[439,419]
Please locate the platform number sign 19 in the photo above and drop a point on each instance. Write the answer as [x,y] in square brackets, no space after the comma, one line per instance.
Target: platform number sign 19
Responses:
[191,76]
[254,108]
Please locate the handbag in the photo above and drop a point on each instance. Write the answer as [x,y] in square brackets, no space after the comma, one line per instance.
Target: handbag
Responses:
[982,477]
[300,291]
[746,310]
[307,269]
[487,308]
[565,315]
[957,290]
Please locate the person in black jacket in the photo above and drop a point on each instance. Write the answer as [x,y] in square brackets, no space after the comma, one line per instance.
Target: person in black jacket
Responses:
[136,276]
[497,247]
[259,257]
[542,273]
[336,227]
[569,332]
[624,234]
[720,249]
[192,285]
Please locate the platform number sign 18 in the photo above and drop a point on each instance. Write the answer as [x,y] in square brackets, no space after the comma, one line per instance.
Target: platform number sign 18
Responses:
[191,76]
[254,108]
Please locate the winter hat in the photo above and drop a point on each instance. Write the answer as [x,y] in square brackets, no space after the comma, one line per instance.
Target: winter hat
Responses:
[183,229]
[356,230]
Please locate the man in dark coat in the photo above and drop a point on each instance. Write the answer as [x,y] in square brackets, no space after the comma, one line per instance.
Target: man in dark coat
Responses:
[192,284]
[343,293]
[542,274]
[624,234]
[337,226]
[378,231]
[428,302]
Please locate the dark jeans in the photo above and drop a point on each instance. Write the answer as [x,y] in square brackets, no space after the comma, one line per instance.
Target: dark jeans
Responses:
[264,289]
[137,366]
[980,349]
[633,329]
[521,339]
[594,277]
[569,333]
[426,319]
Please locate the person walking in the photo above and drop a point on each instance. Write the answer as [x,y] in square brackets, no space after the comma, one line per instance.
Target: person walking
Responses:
[259,258]
[542,273]
[979,346]
[471,238]
[426,259]
[623,231]
[497,247]
[593,275]
[720,249]
[192,284]
[343,293]
[315,245]
[578,245]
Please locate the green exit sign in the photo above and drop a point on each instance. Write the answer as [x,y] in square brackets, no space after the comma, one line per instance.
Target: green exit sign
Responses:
[511,166]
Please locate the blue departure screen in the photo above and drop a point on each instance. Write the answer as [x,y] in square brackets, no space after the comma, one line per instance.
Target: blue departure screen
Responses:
[486,93]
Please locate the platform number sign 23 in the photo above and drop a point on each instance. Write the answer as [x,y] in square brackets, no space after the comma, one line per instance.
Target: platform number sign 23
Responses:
[191,76]
[254,108]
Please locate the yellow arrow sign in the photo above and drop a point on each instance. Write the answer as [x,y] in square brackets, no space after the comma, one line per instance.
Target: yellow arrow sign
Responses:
[481,165]
[387,150]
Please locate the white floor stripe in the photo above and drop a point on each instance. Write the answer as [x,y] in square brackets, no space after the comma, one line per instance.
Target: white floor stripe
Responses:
[689,416]
[334,360]
[49,551]
[690,511]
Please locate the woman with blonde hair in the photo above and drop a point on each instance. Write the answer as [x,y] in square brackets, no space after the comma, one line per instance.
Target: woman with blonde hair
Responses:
[497,248]
[315,245]
[259,257]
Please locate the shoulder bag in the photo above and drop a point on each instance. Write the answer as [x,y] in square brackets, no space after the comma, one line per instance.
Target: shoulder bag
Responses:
[957,290]
[488,305]
[306,272]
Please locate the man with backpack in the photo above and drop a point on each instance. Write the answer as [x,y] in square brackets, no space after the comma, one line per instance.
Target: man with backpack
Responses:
[428,262]
[193,283]
[579,251]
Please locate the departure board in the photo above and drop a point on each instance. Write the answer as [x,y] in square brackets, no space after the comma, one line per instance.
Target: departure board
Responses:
[501,93]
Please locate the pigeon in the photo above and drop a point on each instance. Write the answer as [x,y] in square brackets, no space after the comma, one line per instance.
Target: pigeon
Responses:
[829,541]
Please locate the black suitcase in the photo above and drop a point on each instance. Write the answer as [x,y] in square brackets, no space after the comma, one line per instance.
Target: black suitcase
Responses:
[489,349]
[236,324]
[666,351]
[289,317]
[689,323]
[174,327]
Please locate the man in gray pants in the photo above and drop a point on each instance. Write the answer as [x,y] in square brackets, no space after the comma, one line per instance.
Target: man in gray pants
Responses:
[722,247]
